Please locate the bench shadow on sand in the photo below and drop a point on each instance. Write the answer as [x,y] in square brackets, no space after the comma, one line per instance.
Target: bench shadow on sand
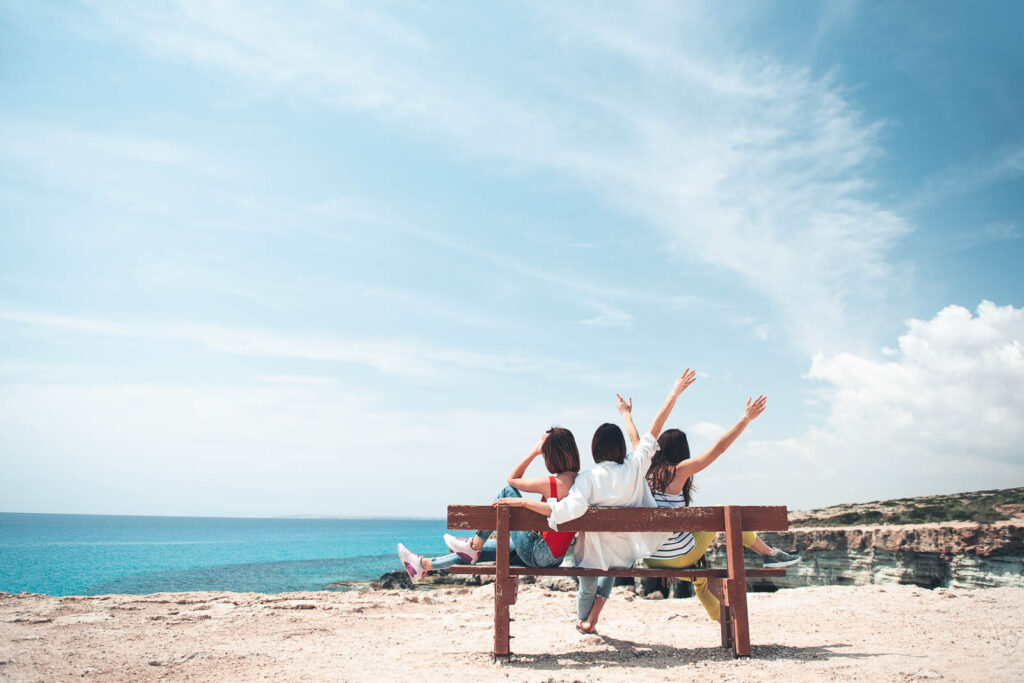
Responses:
[627,653]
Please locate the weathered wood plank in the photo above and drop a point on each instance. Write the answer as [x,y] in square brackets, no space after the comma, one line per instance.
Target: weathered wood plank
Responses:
[755,517]
[489,570]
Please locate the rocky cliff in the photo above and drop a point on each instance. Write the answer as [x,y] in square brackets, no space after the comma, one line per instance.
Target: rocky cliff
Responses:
[949,554]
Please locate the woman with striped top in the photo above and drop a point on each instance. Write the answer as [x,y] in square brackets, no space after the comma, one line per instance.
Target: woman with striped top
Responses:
[671,480]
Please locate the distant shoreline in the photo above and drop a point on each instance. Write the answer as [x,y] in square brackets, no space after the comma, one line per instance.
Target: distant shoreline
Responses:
[987,505]
[391,518]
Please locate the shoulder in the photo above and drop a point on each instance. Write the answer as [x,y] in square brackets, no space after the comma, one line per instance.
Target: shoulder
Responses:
[585,478]
[646,448]
[586,475]
[565,480]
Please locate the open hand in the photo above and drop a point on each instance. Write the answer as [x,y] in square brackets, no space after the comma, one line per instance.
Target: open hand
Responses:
[622,406]
[511,502]
[755,408]
[539,446]
[684,381]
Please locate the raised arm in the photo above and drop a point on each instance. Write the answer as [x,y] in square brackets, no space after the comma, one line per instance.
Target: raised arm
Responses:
[684,381]
[688,468]
[626,409]
[534,484]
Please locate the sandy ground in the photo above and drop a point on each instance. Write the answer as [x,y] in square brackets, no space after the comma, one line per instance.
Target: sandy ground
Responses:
[870,633]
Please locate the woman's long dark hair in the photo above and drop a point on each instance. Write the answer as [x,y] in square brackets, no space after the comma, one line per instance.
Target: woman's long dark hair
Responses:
[674,449]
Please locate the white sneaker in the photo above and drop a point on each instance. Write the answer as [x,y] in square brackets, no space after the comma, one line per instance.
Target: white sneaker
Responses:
[413,566]
[463,547]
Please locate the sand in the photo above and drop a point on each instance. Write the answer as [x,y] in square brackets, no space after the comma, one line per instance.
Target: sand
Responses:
[869,633]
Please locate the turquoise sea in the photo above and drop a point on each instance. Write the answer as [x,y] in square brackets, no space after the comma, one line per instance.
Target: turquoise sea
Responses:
[96,554]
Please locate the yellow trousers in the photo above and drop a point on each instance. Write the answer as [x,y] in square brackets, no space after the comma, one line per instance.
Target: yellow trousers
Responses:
[701,542]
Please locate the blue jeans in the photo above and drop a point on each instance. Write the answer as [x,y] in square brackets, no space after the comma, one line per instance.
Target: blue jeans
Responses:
[590,588]
[489,553]
[526,548]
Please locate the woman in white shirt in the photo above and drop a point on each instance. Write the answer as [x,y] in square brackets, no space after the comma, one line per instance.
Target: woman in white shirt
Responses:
[618,480]
[671,480]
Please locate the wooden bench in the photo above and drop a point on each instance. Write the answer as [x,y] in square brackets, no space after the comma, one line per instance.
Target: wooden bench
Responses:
[729,584]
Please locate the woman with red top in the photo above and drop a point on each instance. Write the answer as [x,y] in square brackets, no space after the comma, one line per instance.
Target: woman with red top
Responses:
[530,548]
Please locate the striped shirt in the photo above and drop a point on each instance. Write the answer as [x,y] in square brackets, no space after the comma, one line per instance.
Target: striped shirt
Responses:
[680,542]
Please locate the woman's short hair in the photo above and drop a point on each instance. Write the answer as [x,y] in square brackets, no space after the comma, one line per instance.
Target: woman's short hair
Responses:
[560,452]
[608,445]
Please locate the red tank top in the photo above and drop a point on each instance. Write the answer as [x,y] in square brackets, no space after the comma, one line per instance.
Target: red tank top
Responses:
[558,541]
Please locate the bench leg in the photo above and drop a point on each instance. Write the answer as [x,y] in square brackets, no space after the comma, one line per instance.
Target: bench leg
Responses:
[737,585]
[740,630]
[720,589]
[726,625]
[504,590]
[501,619]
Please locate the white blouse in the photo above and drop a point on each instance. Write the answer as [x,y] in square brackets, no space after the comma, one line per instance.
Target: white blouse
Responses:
[610,484]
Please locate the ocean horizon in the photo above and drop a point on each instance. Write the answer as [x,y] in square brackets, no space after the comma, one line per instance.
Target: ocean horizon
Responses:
[77,554]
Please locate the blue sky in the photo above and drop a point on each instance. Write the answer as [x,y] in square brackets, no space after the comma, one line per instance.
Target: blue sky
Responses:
[352,259]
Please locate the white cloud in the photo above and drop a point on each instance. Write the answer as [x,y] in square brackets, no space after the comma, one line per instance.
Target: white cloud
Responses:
[607,316]
[279,448]
[385,355]
[941,414]
[409,358]
[1005,163]
[708,431]
[27,139]
[752,165]
[1002,231]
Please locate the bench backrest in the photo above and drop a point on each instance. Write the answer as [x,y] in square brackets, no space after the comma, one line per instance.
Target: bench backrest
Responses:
[753,518]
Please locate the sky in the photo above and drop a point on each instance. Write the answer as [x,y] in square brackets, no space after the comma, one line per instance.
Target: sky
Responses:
[355,258]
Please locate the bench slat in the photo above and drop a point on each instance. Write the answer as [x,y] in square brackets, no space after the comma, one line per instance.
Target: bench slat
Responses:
[578,571]
[755,518]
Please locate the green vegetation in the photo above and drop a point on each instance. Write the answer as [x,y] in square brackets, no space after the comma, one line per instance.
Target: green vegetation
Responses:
[978,506]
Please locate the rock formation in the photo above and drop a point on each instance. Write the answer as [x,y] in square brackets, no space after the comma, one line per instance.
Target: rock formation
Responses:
[957,555]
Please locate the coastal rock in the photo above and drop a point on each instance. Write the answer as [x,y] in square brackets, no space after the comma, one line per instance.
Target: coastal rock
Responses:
[958,555]
[393,580]
[561,584]
[440,577]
